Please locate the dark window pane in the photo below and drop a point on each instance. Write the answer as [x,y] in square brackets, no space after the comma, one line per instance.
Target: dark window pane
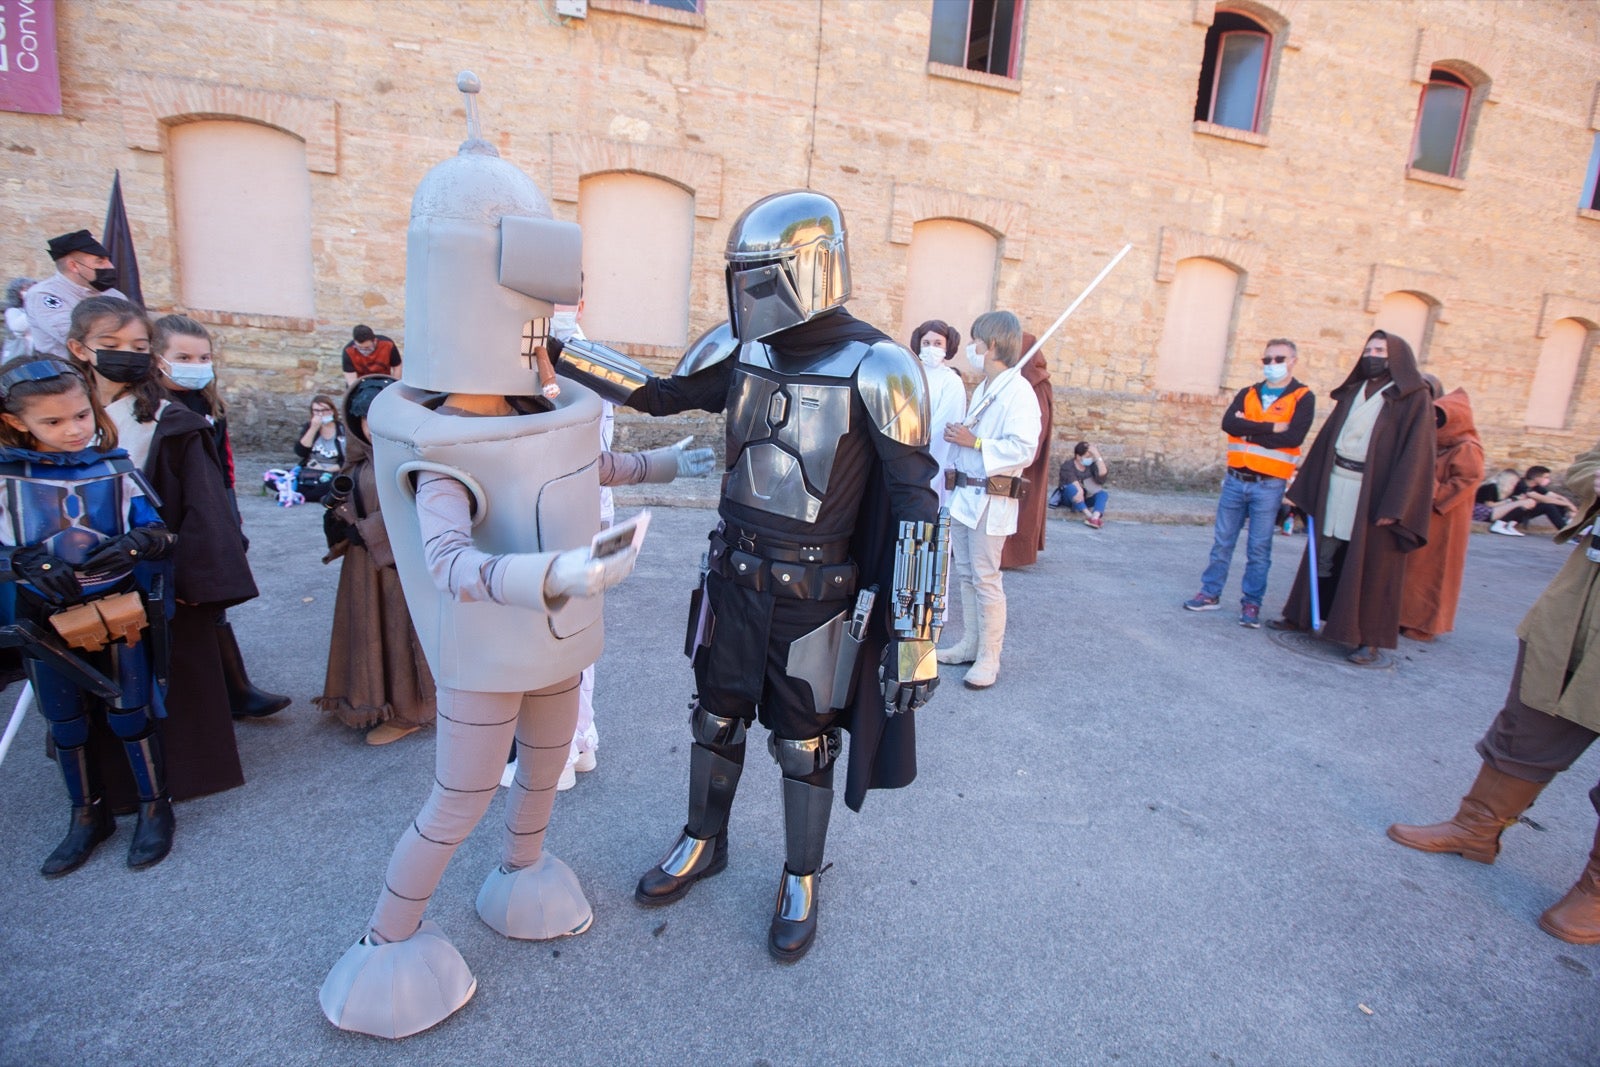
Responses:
[948,42]
[677,5]
[1239,67]
[1005,21]
[1591,182]
[1439,128]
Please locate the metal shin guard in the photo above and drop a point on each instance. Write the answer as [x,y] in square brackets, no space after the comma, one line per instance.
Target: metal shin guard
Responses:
[807,797]
[397,988]
[716,760]
[535,903]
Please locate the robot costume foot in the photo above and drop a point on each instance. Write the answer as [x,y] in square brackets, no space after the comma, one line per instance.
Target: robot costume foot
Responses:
[689,860]
[91,824]
[397,988]
[152,834]
[536,903]
[794,920]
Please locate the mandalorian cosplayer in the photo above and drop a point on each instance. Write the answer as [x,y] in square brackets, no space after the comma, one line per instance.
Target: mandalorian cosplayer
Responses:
[807,579]
[491,495]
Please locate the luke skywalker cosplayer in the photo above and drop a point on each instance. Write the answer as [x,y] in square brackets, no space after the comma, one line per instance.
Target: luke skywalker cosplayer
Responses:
[490,494]
[826,445]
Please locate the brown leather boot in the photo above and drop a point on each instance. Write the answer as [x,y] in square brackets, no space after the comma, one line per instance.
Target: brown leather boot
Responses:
[1493,803]
[1575,918]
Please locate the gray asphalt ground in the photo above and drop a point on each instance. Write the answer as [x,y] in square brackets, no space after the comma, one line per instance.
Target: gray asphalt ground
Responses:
[1159,839]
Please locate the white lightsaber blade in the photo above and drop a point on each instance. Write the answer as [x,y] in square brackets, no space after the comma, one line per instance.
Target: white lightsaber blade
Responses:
[21,711]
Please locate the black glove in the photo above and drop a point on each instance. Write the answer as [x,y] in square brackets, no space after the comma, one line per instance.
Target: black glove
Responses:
[135,546]
[554,346]
[51,575]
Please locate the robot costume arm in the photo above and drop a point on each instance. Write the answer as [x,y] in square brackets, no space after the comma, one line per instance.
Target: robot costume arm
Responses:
[522,579]
[657,466]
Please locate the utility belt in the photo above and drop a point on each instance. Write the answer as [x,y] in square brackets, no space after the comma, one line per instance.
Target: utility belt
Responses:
[788,569]
[93,624]
[996,485]
[1246,475]
[1349,464]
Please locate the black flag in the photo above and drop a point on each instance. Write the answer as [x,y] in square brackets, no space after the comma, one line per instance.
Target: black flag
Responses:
[119,242]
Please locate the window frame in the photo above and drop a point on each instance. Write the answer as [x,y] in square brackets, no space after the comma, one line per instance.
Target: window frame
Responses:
[1013,63]
[1590,199]
[1455,81]
[1261,75]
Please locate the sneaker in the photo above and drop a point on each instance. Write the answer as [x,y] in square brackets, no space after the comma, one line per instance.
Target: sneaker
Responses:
[1250,615]
[585,761]
[509,775]
[568,778]
[1201,602]
[1093,522]
[1504,527]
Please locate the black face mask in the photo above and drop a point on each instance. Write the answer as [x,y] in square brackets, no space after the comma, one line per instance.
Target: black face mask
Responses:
[1371,367]
[104,278]
[124,368]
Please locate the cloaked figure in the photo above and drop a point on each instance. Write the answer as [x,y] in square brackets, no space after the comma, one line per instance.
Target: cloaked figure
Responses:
[491,495]
[1433,573]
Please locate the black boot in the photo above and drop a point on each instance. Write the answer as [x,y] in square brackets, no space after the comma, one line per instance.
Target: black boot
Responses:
[716,760]
[152,833]
[807,804]
[91,819]
[244,699]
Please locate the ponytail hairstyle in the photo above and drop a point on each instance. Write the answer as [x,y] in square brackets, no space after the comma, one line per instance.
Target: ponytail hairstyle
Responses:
[168,326]
[90,314]
[26,377]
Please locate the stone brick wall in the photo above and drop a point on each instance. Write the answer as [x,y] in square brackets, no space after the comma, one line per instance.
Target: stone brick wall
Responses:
[1093,147]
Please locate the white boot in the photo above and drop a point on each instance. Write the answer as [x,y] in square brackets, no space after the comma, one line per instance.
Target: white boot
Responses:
[991,635]
[965,649]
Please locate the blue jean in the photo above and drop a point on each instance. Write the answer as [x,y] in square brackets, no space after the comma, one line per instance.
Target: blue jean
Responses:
[1073,497]
[1258,502]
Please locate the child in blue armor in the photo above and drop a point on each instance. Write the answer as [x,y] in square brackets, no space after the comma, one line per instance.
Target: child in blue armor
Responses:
[74,524]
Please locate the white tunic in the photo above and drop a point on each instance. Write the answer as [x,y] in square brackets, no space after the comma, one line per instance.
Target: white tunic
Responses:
[947,403]
[1344,487]
[1009,429]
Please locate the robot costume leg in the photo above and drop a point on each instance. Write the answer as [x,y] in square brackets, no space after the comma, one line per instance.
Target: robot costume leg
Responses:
[62,704]
[716,760]
[807,767]
[532,895]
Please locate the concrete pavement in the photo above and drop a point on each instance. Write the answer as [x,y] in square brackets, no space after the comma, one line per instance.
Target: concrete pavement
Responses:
[1159,839]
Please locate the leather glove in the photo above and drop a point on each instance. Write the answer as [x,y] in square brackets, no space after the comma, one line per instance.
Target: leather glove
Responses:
[694,462]
[574,573]
[909,674]
[135,546]
[51,575]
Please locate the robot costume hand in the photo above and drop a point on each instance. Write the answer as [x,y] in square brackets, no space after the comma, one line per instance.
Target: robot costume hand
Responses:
[51,575]
[576,573]
[135,546]
[694,462]
[909,674]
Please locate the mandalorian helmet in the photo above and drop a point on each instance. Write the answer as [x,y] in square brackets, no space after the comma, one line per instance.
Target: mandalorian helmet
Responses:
[483,259]
[786,263]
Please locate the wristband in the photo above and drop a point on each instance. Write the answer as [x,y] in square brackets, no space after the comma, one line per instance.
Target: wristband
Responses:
[977,443]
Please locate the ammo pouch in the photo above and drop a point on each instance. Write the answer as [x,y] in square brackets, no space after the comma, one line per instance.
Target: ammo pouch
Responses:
[795,580]
[92,625]
[1004,485]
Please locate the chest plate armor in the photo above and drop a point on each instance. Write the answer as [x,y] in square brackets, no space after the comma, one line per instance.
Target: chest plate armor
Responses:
[535,484]
[69,510]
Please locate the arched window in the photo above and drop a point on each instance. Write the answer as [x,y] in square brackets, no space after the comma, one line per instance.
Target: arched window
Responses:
[950,274]
[1195,338]
[1409,317]
[638,241]
[1556,377]
[242,218]
[1441,124]
[1233,73]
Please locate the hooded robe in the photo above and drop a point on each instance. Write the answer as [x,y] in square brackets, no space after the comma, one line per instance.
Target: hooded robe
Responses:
[1024,546]
[1433,573]
[1361,603]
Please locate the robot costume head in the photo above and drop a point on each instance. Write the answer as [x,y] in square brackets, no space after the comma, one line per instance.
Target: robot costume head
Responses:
[787,263]
[483,260]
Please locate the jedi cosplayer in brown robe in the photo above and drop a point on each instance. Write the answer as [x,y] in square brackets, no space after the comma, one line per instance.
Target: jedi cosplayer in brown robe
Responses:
[1360,599]
[376,669]
[1433,572]
[1024,546]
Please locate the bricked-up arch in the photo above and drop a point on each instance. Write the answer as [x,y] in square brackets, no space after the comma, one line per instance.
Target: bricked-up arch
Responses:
[638,248]
[1193,350]
[951,270]
[1563,362]
[1410,316]
[911,204]
[152,102]
[576,157]
[1242,256]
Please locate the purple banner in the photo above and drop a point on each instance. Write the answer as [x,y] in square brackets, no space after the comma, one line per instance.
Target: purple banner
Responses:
[29,79]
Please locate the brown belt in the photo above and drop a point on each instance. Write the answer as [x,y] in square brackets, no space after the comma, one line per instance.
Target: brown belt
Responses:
[996,485]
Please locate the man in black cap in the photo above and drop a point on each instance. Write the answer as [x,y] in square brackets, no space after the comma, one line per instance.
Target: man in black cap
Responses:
[83,269]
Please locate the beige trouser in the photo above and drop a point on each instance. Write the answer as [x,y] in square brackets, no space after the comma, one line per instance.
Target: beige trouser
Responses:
[474,734]
[978,561]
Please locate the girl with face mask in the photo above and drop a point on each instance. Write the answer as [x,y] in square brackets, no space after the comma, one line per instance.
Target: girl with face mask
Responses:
[935,343]
[174,447]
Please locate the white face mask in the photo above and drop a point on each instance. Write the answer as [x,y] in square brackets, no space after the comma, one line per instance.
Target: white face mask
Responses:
[563,324]
[1275,372]
[190,375]
[976,361]
[932,355]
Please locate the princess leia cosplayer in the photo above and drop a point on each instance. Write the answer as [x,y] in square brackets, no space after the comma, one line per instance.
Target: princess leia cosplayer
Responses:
[491,495]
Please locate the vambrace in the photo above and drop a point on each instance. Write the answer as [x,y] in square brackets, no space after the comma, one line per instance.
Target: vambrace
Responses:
[910,671]
[605,370]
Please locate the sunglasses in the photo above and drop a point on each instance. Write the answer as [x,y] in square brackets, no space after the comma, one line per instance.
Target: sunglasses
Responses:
[1273,359]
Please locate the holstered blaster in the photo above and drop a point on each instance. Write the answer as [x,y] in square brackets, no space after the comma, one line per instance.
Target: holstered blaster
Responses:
[855,635]
[38,643]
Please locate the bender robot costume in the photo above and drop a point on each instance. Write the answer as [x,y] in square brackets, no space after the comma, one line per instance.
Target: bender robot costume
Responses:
[827,432]
[489,517]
